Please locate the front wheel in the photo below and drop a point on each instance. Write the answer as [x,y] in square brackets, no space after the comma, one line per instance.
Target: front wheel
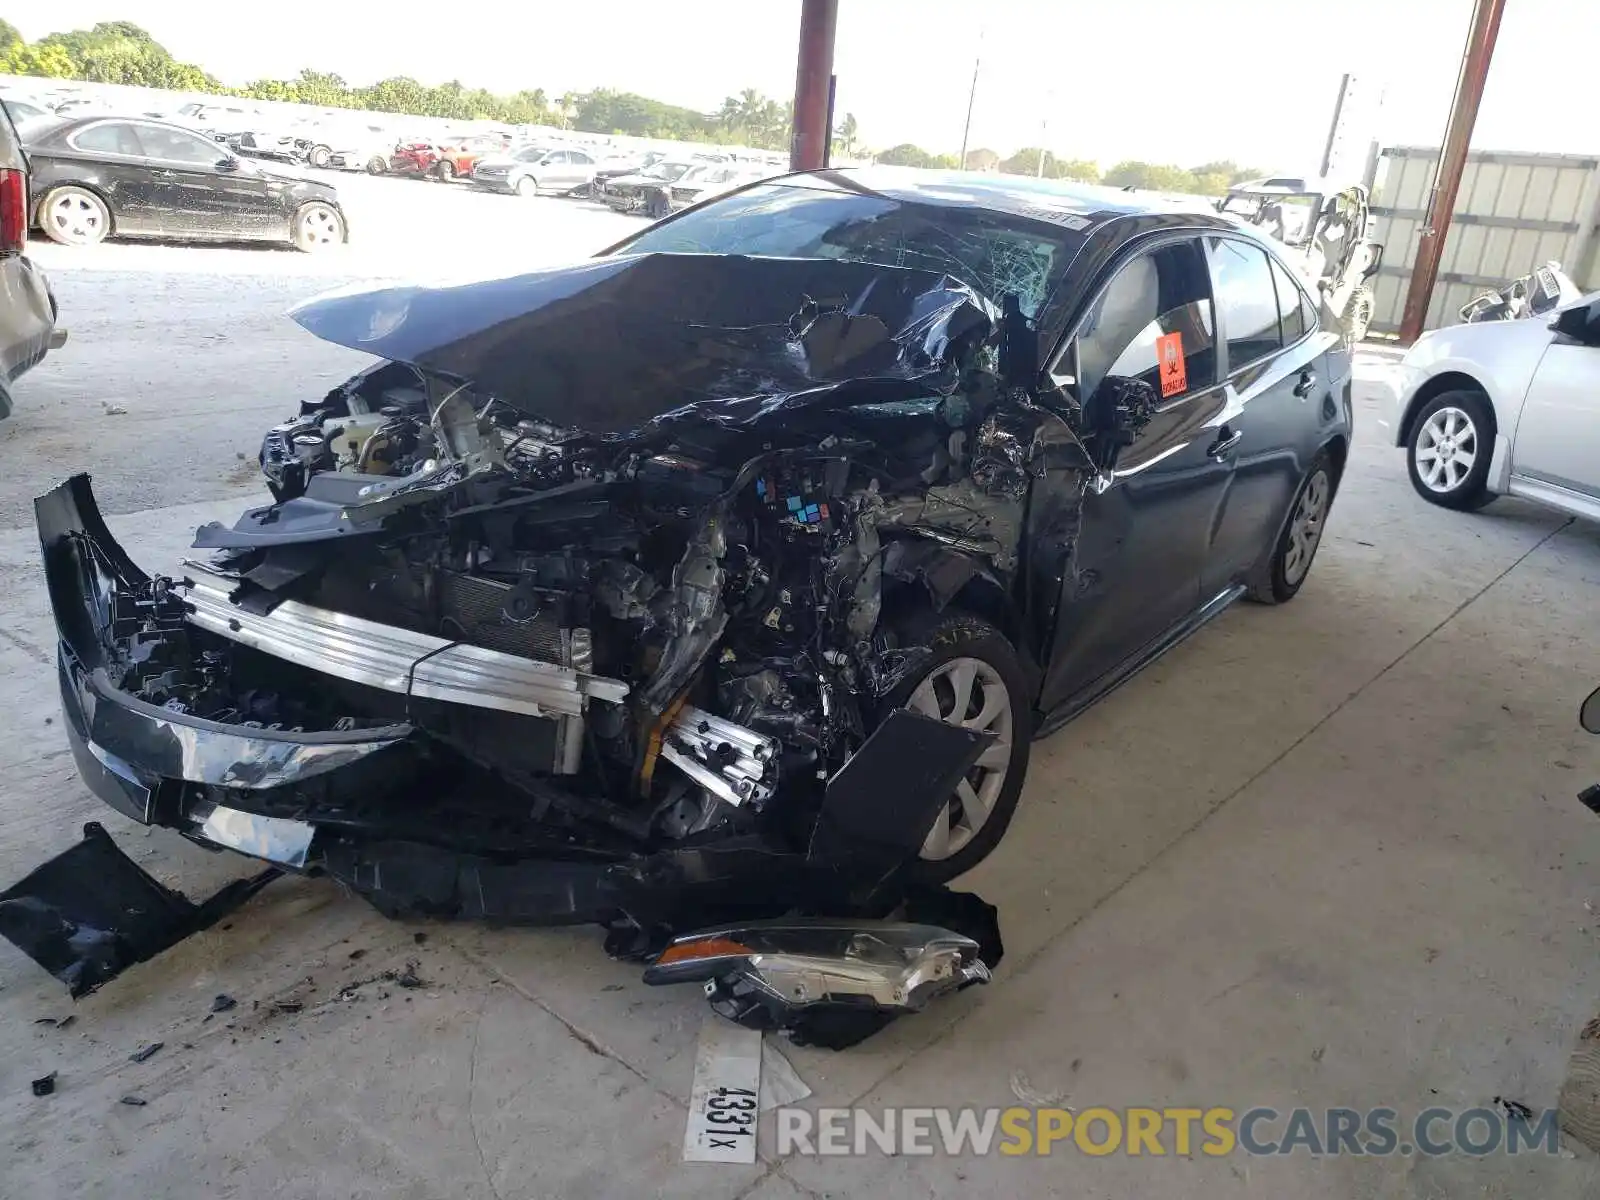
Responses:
[1278,577]
[1448,450]
[74,216]
[656,206]
[377,165]
[972,678]
[317,227]
[444,170]
[318,156]
[527,186]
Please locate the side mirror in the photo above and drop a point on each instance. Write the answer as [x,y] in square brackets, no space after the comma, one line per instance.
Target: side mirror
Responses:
[1114,416]
[1579,324]
[1589,713]
[228,164]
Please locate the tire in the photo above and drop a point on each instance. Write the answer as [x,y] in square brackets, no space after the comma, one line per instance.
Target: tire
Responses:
[1448,447]
[1358,311]
[964,644]
[1277,579]
[318,156]
[377,165]
[656,206]
[444,170]
[74,216]
[317,228]
[527,186]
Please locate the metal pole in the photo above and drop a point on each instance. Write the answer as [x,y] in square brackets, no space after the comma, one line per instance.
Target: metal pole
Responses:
[1452,162]
[972,95]
[827,143]
[813,72]
[1333,126]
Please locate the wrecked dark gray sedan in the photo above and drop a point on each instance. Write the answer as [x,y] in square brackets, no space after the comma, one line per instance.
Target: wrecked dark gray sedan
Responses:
[720,579]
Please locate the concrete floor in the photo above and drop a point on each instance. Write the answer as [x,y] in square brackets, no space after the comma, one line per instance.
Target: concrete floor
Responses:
[1324,855]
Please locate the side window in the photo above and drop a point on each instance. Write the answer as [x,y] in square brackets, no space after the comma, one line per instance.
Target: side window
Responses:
[560,156]
[113,137]
[173,145]
[581,159]
[1247,300]
[1153,322]
[1294,310]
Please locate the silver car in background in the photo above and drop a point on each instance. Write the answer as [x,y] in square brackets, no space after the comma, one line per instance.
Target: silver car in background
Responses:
[529,170]
[1503,408]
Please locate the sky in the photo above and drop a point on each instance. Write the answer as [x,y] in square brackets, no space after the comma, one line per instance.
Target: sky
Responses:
[1175,81]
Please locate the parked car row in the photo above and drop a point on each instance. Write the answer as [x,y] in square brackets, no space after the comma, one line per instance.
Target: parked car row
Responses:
[668,186]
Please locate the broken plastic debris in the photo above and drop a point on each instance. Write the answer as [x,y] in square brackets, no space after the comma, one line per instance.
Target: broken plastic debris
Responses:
[1028,1094]
[146,1051]
[223,1002]
[43,1087]
[781,1084]
[133,1101]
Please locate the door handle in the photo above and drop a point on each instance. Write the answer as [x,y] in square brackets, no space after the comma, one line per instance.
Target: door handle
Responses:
[1308,380]
[1227,442]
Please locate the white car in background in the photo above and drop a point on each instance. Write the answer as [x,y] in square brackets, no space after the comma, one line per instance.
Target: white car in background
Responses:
[1503,408]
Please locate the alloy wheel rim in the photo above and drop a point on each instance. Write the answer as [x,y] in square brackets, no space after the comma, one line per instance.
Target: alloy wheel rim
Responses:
[77,217]
[319,227]
[967,692]
[1305,527]
[1446,450]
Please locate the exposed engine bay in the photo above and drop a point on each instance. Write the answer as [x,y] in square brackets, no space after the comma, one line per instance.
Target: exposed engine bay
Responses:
[543,632]
[733,607]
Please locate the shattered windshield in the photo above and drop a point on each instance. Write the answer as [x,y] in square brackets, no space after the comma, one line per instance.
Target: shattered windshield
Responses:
[989,252]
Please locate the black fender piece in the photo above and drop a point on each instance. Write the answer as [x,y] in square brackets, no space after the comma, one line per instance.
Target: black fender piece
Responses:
[91,912]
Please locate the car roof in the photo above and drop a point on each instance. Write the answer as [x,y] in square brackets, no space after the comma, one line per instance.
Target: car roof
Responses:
[66,126]
[1082,207]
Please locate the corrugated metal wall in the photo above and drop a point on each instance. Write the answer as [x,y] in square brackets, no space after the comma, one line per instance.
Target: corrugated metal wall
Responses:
[1513,213]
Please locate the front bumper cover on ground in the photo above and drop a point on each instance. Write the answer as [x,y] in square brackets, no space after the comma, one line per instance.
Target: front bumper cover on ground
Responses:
[81,915]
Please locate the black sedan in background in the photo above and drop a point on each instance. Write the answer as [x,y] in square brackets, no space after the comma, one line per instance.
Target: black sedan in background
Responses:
[103,176]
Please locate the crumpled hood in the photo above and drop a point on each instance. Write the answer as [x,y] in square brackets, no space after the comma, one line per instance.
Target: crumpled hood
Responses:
[609,345]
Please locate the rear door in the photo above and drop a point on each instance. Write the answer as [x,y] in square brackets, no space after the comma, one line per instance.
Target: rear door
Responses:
[1145,538]
[109,155]
[1277,379]
[581,170]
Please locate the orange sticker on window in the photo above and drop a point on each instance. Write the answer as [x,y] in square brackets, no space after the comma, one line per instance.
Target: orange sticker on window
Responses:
[1169,355]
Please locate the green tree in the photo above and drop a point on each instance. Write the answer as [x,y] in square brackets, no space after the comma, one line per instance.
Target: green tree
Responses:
[847,134]
[906,155]
[1152,176]
[982,159]
[51,62]
[1077,169]
[1025,161]
[9,36]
